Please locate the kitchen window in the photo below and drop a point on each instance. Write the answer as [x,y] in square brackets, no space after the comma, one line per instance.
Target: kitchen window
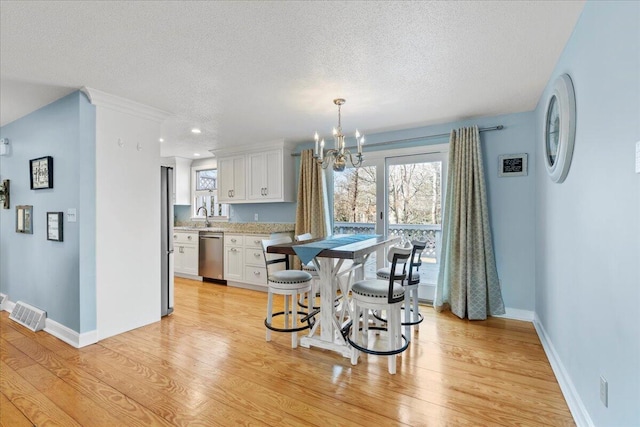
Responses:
[205,194]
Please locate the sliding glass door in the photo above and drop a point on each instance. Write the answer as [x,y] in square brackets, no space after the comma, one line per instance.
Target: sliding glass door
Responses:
[397,192]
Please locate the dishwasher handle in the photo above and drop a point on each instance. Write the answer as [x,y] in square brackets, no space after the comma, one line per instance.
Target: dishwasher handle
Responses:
[211,237]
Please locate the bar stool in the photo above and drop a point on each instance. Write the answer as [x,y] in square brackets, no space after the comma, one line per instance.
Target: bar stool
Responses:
[290,284]
[311,269]
[412,315]
[377,295]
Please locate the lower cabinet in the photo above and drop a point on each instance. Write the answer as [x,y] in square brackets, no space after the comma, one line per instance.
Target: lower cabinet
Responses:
[244,259]
[233,257]
[185,253]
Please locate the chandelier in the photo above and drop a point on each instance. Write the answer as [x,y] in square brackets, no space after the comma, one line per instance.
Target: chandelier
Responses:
[338,155]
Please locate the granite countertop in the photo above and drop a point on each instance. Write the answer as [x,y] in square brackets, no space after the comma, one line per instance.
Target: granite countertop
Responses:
[239,227]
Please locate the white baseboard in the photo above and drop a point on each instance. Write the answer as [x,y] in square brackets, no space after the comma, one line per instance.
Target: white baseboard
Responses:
[517,314]
[70,336]
[61,332]
[8,305]
[577,408]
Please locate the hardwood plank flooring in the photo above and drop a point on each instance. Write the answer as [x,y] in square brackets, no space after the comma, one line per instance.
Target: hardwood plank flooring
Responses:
[208,364]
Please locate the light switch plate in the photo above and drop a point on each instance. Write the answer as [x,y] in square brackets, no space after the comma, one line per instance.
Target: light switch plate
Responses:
[72,215]
[638,157]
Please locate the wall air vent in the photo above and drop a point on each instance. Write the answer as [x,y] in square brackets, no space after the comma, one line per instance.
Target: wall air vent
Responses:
[29,316]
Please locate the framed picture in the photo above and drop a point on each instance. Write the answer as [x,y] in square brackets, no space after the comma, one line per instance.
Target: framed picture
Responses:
[41,173]
[512,165]
[54,226]
[24,216]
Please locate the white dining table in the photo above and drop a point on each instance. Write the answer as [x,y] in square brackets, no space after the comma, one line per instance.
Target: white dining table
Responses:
[331,257]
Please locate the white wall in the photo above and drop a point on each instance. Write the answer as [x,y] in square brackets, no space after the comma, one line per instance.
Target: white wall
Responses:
[127,214]
[588,228]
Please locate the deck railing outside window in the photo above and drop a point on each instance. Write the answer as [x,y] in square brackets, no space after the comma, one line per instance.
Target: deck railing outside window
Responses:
[429,233]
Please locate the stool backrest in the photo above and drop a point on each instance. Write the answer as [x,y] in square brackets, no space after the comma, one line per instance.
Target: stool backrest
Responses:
[397,255]
[303,237]
[416,262]
[270,259]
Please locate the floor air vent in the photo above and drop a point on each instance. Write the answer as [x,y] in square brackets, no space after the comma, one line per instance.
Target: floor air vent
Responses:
[29,316]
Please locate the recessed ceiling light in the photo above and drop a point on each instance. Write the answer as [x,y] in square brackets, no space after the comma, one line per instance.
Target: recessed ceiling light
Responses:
[196,154]
[161,140]
[196,130]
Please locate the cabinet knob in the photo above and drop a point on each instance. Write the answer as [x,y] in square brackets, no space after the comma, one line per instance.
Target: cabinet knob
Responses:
[175,236]
[189,237]
[257,273]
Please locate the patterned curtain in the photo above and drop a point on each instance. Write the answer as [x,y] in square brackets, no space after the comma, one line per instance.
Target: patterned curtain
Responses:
[468,282]
[311,211]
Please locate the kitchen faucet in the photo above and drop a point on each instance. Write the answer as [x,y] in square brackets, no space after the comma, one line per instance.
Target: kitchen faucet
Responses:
[206,216]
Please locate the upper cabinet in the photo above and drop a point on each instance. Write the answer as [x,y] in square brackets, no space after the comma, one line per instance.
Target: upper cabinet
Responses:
[232,182]
[266,176]
[256,177]
[183,181]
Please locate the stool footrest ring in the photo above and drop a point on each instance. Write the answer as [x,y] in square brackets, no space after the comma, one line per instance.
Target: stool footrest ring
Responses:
[308,318]
[416,322]
[378,352]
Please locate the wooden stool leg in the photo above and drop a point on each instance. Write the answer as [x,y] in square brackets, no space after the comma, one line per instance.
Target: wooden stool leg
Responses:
[354,333]
[269,313]
[294,318]
[407,314]
[392,328]
[416,309]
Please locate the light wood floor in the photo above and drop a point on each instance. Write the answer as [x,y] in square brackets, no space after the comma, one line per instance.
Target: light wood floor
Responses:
[208,364]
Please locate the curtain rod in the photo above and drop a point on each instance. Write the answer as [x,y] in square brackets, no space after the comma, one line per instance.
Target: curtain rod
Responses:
[417,138]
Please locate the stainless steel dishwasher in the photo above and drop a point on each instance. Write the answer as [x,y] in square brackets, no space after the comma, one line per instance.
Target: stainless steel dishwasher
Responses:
[211,257]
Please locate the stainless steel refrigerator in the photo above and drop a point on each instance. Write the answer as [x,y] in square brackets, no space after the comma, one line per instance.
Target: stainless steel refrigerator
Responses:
[166,246]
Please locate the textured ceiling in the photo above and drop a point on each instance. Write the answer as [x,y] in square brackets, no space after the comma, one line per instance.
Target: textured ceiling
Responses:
[250,72]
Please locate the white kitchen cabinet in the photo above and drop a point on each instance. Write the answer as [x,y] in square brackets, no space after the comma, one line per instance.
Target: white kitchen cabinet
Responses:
[255,270]
[185,253]
[182,184]
[232,179]
[244,264]
[266,176]
[233,257]
[258,176]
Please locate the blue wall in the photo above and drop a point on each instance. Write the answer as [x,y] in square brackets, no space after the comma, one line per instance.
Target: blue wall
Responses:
[43,273]
[588,228]
[267,212]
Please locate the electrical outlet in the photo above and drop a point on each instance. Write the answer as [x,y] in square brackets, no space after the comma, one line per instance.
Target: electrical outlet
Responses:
[604,392]
[255,217]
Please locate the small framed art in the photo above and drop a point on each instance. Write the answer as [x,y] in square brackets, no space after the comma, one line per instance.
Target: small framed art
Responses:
[24,215]
[41,173]
[54,226]
[512,165]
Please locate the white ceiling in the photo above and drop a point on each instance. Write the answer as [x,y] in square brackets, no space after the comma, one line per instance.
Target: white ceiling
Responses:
[250,72]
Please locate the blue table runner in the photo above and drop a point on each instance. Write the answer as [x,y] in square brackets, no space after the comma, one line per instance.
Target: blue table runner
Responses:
[306,252]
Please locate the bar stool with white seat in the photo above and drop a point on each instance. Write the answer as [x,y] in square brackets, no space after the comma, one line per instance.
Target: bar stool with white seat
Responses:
[311,269]
[412,316]
[290,284]
[378,295]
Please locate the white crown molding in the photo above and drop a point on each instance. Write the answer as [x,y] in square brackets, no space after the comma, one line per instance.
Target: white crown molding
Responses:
[251,148]
[113,102]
